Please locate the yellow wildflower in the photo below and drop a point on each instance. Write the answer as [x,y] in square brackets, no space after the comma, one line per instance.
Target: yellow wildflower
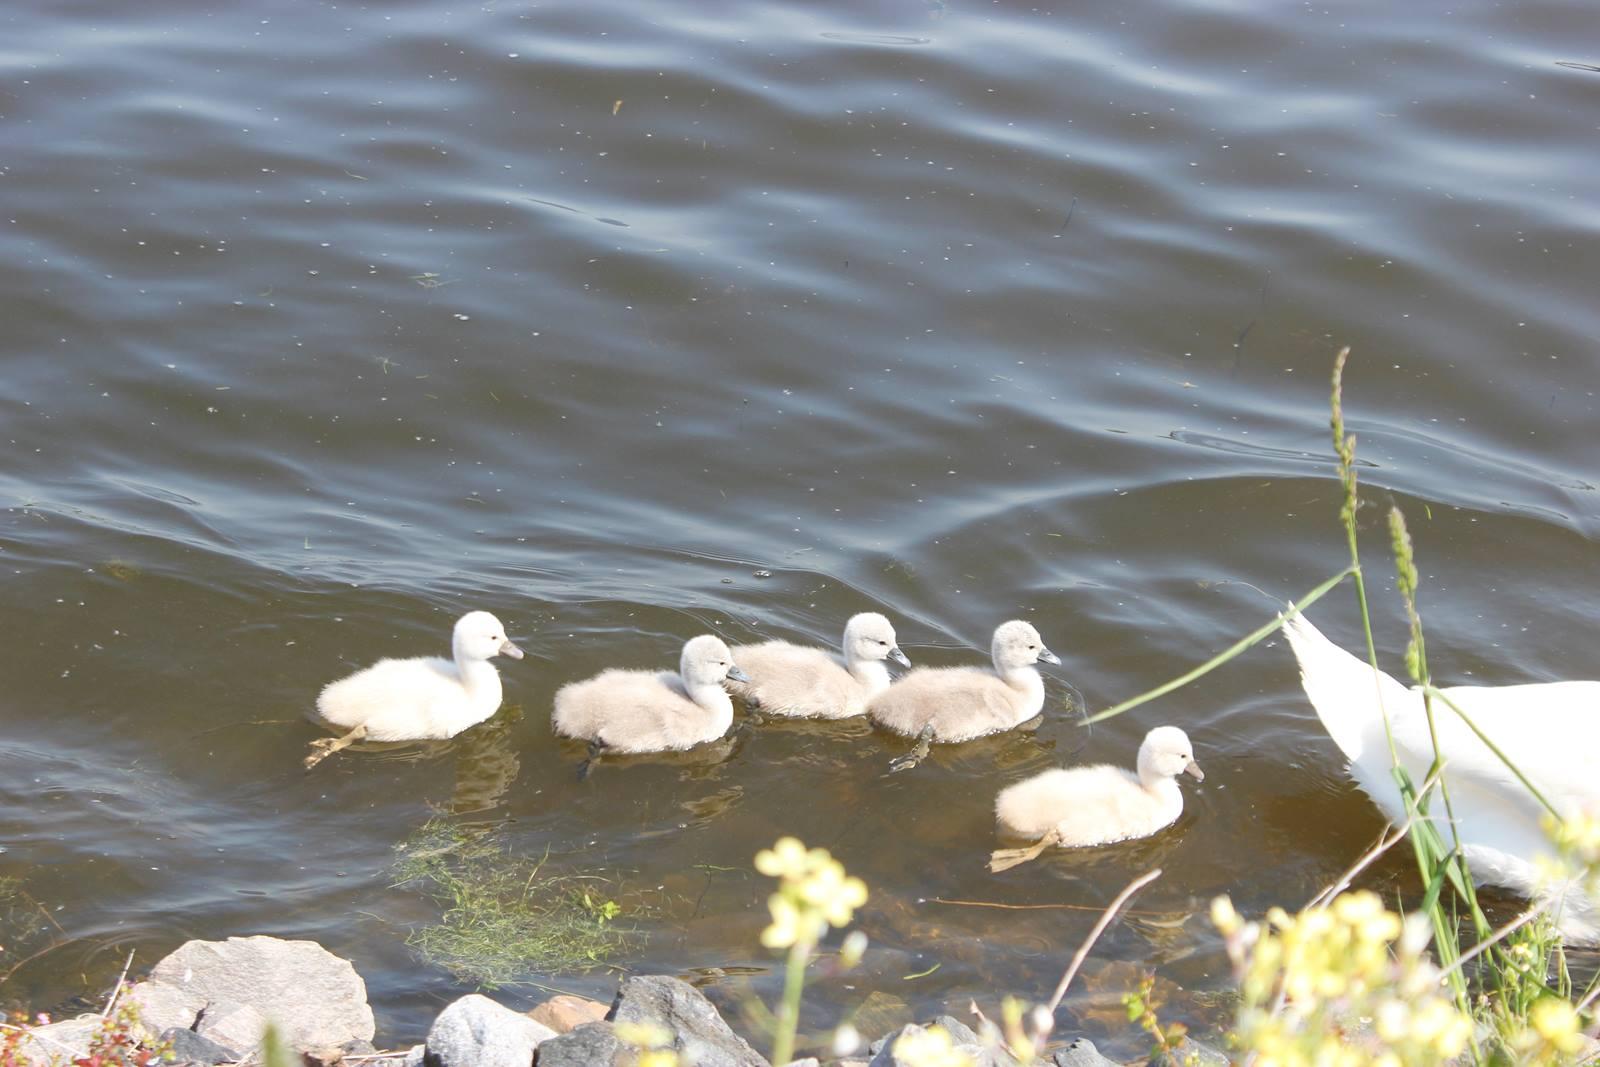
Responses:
[929,1047]
[1557,1022]
[813,894]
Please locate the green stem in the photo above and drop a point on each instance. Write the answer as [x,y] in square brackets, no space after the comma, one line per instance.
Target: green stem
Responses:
[794,980]
[1427,846]
[1255,637]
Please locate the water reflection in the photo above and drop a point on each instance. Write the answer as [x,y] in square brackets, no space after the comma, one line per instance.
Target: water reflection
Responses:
[486,763]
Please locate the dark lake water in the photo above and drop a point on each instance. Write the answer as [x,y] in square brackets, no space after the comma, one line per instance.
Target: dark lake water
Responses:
[323,323]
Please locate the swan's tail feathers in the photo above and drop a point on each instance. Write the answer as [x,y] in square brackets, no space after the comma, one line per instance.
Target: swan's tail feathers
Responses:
[1344,690]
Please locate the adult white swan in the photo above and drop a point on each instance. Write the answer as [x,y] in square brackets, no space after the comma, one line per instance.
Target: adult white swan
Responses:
[1550,730]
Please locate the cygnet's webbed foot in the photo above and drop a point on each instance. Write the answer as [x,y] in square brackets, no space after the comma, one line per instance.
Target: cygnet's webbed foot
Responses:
[918,753]
[1003,859]
[596,751]
[323,747]
[753,715]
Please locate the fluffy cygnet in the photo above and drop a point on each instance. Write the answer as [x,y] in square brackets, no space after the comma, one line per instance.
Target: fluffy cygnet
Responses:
[421,698]
[803,682]
[650,711]
[1100,804]
[960,703]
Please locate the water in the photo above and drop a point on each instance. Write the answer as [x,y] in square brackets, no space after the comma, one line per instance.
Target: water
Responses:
[324,323]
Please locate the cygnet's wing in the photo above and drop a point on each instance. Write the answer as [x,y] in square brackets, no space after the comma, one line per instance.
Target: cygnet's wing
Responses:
[795,680]
[1092,805]
[958,702]
[587,709]
[395,699]
[1108,804]
[1031,807]
[631,711]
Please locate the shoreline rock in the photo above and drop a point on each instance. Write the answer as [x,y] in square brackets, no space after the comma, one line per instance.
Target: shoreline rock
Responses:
[228,991]
[214,999]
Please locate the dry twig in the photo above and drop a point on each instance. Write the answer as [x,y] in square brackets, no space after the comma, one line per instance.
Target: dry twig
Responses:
[1094,935]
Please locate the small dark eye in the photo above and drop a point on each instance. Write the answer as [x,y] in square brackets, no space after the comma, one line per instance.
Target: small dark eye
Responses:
[883,642]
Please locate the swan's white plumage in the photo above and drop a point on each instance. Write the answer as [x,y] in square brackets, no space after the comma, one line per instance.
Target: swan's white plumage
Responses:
[803,682]
[1551,731]
[650,711]
[960,703]
[425,697]
[1100,804]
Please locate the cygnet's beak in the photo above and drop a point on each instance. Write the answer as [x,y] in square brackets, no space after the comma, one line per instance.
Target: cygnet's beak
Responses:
[1046,656]
[509,649]
[899,657]
[1194,769]
[735,674]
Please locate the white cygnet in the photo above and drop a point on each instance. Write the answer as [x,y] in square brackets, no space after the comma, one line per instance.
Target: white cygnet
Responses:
[803,682]
[650,711]
[1100,804]
[421,698]
[960,703]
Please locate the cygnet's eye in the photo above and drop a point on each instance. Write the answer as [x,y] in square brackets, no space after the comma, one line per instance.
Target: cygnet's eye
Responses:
[1032,647]
[882,642]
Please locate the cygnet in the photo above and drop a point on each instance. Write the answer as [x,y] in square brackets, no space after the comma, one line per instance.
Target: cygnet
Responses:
[803,682]
[651,711]
[420,698]
[1100,804]
[959,703]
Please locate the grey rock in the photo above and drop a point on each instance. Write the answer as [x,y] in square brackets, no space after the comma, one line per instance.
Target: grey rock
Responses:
[60,1042]
[163,1007]
[236,1025]
[477,1032]
[589,1045]
[809,1061]
[699,1035]
[316,999]
[1204,1055]
[1081,1053]
[959,1032]
[982,1055]
[190,1047]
